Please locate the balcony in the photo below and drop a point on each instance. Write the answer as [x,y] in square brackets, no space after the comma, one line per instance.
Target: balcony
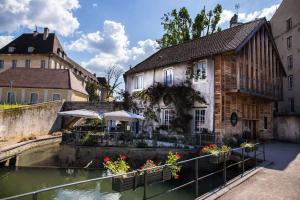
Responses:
[257,87]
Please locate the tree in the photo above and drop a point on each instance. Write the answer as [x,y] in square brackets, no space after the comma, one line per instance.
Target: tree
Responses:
[179,27]
[113,76]
[91,89]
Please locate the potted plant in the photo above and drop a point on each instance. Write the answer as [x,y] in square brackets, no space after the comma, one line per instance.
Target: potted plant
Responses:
[218,154]
[119,167]
[249,147]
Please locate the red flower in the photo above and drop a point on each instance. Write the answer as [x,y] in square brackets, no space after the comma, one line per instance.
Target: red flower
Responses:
[123,157]
[176,177]
[106,159]
[178,156]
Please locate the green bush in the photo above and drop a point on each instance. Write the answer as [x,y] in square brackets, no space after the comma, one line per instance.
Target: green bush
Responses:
[88,140]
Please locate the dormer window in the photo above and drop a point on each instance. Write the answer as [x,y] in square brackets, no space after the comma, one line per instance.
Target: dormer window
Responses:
[30,49]
[11,49]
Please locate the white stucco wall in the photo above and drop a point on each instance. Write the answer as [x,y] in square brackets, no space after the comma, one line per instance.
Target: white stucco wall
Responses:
[206,87]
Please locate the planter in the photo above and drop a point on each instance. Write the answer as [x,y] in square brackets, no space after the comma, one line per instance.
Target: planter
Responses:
[220,158]
[122,184]
[250,149]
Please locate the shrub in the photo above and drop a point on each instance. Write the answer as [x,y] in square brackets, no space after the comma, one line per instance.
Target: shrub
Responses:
[117,167]
[172,161]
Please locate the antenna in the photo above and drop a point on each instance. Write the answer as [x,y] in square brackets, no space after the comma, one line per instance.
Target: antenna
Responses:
[237,6]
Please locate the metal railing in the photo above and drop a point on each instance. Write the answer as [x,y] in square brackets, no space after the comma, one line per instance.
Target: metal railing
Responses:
[244,157]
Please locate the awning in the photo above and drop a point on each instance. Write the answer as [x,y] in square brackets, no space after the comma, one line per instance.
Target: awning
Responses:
[81,113]
[122,115]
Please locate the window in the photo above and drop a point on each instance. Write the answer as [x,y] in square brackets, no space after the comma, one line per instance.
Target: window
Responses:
[43,64]
[30,49]
[199,119]
[27,63]
[292,106]
[11,49]
[168,116]
[11,97]
[138,82]
[265,123]
[290,82]
[168,77]
[14,63]
[33,98]
[1,64]
[289,42]
[289,24]
[200,71]
[290,62]
[56,97]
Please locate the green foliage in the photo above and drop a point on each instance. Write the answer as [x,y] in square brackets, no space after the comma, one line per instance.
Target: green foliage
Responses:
[9,106]
[148,166]
[179,27]
[117,167]
[172,161]
[88,140]
[91,89]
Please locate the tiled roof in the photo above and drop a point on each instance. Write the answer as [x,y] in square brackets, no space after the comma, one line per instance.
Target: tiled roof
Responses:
[216,43]
[37,78]
[102,80]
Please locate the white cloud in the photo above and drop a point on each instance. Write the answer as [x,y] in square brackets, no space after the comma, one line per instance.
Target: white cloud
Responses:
[54,14]
[4,40]
[111,47]
[95,5]
[245,17]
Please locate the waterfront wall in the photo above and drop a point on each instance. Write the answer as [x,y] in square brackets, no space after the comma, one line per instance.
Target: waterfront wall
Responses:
[287,128]
[38,119]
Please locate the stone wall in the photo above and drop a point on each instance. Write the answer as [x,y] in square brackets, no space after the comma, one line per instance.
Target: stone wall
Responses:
[38,119]
[287,128]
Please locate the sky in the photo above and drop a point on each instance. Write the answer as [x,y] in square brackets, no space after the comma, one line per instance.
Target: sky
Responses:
[101,33]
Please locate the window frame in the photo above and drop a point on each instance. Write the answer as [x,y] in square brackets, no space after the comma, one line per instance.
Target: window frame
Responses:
[199,119]
[203,71]
[14,63]
[56,99]
[289,24]
[8,97]
[1,64]
[43,62]
[136,86]
[289,42]
[27,63]
[170,116]
[166,81]
[37,97]
[292,105]
[290,62]
[290,82]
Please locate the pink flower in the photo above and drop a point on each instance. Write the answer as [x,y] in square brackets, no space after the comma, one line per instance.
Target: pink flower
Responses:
[177,177]
[178,156]
[123,157]
[106,159]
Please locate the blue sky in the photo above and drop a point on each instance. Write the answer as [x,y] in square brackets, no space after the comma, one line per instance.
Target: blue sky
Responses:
[100,33]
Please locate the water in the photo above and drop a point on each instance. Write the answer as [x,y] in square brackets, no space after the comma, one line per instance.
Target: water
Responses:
[30,177]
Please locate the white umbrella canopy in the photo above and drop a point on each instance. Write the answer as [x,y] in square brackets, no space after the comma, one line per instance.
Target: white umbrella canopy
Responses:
[122,115]
[81,113]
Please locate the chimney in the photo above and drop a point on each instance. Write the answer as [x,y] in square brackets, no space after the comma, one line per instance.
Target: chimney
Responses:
[234,21]
[35,32]
[46,33]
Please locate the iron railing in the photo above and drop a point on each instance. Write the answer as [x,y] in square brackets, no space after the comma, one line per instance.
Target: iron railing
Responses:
[225,166]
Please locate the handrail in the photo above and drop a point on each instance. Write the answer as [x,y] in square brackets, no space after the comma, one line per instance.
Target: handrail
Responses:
[35,193]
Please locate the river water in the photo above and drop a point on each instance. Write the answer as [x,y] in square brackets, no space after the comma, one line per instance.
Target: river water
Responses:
[32,177]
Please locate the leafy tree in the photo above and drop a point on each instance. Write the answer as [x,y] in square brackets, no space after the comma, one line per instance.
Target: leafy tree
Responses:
[179,27]
[91,89]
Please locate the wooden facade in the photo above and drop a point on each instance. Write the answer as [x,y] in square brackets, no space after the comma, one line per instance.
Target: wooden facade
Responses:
[247,82]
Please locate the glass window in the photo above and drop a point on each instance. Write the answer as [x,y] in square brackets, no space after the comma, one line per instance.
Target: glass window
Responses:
[290,82]
[33,98]
[11,97]
[11,49]
[27,63]
[138,82]
[14,63]
[168,116]
[289,42]
[168,77]
[56,97]
[30,49]
[200,71]
[1,64]
[265,123]
[43,64]
[292,106]
[289,24]
[199,119]
[290,62]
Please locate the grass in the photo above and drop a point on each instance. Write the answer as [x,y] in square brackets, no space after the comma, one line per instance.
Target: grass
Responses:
[8,106]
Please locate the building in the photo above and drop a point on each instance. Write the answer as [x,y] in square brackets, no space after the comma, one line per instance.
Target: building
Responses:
[40,51]
[285,25]
[35,85]
[238,71]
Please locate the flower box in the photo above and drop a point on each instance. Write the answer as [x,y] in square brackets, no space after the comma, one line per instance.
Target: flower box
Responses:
[219,158]
[121,184]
